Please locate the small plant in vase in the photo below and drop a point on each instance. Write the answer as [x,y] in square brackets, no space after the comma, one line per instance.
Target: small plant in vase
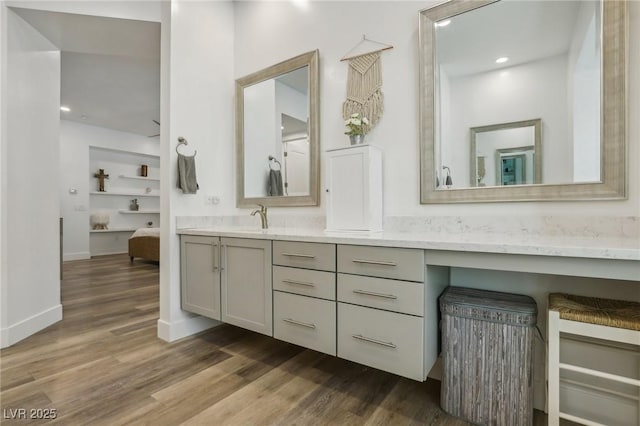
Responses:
[356,128]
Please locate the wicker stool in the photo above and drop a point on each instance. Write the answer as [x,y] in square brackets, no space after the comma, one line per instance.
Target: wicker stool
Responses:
[610,320]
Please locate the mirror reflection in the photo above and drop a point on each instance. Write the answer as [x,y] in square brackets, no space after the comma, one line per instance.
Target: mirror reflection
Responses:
[277,134]
[295,155]
[276,137]
[507,62]
[506,154]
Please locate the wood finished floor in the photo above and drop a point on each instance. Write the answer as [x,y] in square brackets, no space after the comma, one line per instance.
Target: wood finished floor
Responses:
[103,365]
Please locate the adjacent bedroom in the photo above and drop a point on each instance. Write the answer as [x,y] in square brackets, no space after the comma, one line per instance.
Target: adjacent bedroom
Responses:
[109,181]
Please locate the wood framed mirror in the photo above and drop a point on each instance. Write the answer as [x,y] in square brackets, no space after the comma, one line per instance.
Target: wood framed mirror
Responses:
[277,134]
[503,61]
[506,154]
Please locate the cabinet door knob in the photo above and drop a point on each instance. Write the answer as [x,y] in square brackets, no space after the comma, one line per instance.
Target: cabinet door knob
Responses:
[327,190]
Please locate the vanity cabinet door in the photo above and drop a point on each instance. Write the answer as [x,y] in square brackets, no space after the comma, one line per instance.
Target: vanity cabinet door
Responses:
[200,275]
[246,284]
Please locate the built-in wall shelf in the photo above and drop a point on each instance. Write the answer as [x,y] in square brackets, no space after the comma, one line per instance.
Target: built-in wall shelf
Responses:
[139,211]
[98,231]
[123,151]
[124,167]
[128,194]
[139,178]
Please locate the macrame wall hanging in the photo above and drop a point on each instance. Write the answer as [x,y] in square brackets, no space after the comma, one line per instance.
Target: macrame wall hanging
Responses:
[364,81]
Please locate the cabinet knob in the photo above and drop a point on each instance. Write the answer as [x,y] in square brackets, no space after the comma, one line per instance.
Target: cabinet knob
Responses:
[327,190]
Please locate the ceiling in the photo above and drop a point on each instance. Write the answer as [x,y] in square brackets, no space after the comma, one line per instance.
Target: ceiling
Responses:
[297,79]
[110,68]
[523,31]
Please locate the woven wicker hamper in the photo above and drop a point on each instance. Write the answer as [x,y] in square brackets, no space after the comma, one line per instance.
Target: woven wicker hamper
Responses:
[487,351]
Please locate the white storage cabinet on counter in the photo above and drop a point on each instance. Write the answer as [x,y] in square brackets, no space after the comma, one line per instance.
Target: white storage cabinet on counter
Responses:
[354,189]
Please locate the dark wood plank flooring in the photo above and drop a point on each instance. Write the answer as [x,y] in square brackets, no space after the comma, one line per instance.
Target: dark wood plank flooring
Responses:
[104,365]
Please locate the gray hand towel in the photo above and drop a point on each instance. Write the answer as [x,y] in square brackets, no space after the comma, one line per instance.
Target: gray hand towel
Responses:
[187,174]
[275,183]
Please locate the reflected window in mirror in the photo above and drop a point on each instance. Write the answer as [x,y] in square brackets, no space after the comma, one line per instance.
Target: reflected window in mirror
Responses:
[277,134]
[489,62]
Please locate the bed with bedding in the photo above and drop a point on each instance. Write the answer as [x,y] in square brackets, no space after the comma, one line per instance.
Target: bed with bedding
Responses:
[145,243]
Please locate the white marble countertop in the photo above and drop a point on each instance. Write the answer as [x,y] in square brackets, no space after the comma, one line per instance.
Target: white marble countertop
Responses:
[579,247]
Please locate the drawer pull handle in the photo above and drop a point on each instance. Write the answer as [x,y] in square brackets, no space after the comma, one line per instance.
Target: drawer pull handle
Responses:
[371,293]
[377,342]
[299,283]
[375,262]
[306,256]
[303,324]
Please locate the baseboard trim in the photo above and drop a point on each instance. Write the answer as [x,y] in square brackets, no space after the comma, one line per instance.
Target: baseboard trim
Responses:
[171,332]
[25,328]
[82,255]
[108,253]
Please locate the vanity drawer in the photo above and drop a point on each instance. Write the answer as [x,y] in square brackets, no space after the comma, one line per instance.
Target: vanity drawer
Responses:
[383,340]
[385,262]
[304,281]
[399,296]
[305,321]
[318,256]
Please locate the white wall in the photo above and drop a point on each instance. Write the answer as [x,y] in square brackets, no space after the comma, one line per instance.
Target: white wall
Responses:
[31,288]
[198,81]
[260,134]
[4,279]
[269,32]
[76,173]
[584,64]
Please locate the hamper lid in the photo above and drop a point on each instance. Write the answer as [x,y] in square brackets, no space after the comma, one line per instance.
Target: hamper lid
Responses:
[486,300]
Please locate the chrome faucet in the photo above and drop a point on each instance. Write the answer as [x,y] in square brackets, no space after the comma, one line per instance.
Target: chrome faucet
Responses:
[263,216]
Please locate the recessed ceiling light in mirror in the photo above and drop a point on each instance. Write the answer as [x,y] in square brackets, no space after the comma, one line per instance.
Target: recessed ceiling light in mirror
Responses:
[443,23]
[502,60]
[65,109]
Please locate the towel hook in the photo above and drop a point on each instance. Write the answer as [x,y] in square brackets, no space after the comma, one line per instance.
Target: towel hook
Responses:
[183,141]
[272,158]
